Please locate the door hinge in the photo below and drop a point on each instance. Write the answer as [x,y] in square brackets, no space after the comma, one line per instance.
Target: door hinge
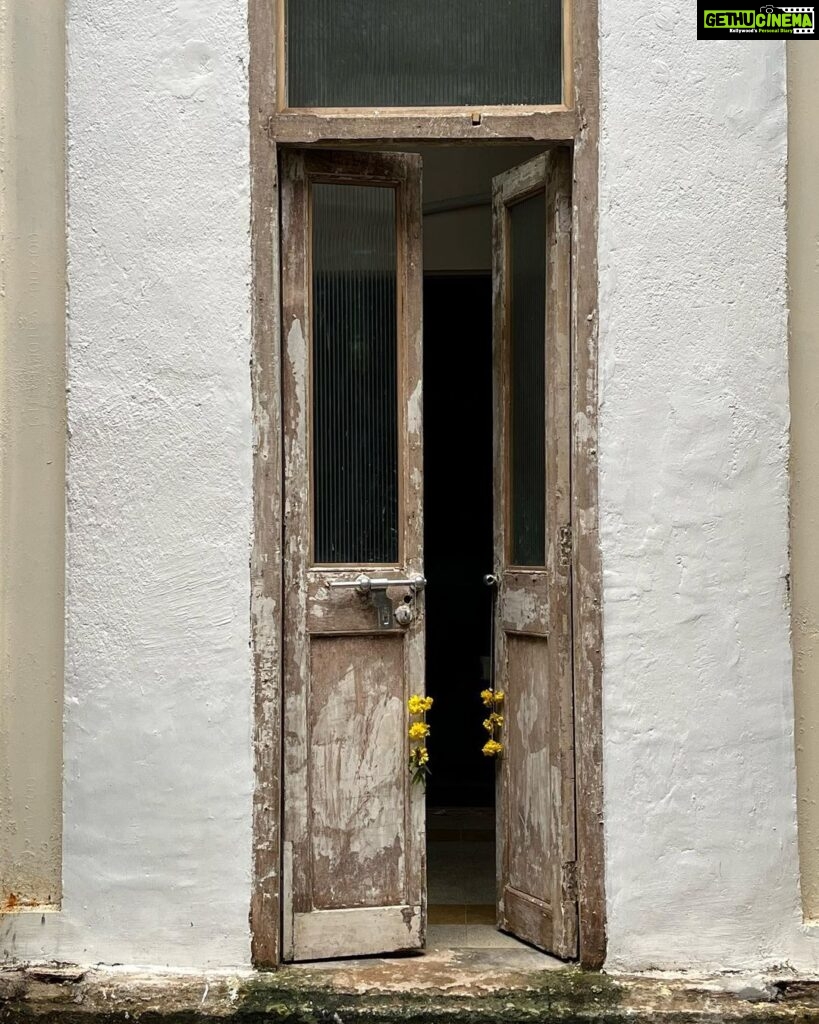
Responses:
[570,881]
[565,543]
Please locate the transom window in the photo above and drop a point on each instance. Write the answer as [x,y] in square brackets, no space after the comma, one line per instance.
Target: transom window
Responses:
[423,53]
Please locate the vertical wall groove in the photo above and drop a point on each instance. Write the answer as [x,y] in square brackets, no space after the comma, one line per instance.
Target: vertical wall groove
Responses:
[803,147]
[32,449]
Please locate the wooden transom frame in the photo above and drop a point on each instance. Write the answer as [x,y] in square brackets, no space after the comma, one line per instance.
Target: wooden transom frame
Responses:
[575,124]
[356,126]
[335,125]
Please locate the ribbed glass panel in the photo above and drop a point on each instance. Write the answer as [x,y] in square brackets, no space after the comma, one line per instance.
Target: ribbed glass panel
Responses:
[355,428]
[408,53]
[527,304]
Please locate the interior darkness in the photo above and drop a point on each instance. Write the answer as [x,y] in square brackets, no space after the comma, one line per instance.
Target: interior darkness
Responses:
[458,532]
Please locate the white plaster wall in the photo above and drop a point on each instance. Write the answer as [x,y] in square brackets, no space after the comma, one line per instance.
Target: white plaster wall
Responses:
[701,866]
[158,691]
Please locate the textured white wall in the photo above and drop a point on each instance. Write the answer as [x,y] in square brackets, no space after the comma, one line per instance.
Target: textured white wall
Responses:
[699,762]
[158,690]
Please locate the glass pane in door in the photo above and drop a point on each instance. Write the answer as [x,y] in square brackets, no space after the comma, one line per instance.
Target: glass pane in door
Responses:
[355,367]
[527,345]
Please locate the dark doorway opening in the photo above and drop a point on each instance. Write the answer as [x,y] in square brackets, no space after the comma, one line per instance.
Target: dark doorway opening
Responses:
[462,867]
[458,531]
[458,553]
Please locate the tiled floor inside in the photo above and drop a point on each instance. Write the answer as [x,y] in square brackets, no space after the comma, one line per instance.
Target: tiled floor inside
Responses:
[461,880]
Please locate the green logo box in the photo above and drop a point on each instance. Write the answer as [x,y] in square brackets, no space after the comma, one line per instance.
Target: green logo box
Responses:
[755,21]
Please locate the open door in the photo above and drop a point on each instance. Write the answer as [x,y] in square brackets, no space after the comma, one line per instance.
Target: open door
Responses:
[537,898]
[354,845]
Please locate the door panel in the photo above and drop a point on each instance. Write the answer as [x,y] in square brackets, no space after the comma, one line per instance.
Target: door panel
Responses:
[354,858]
[356,721]
[531,286]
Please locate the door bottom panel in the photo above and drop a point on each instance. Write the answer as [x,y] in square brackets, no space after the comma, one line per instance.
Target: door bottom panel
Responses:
[527,918]
[322,934]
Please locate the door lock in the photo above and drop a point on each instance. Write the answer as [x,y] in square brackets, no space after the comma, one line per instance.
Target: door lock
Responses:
[365,584]
[404,613]
[387,614]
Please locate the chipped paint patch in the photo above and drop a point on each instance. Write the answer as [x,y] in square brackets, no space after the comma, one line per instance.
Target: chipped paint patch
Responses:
[415,410]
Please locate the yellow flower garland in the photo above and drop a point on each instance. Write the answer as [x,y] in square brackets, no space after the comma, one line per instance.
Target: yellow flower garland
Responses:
[418,732]
[493,699]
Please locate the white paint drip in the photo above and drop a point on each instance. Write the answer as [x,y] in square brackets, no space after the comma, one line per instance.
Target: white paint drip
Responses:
[415,410]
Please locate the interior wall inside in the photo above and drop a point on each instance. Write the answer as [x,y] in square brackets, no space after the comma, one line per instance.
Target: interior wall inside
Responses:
[461,240]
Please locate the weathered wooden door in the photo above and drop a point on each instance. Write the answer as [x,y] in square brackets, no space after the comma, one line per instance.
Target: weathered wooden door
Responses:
[536,831]
[354,858]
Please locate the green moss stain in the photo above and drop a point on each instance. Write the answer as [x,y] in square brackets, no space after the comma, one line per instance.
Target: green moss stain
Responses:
[570,995]
[304,996]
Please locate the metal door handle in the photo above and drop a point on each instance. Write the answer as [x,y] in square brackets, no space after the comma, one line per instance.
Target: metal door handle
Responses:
[366,584]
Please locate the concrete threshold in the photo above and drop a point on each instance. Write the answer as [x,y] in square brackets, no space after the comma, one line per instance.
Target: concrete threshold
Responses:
[483,987]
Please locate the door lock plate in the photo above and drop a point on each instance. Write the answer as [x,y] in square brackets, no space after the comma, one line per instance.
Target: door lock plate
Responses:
[383,609]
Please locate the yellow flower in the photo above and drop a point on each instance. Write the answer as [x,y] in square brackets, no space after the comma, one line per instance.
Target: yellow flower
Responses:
[418,765]
[419,705]
[492,748]
[418,730]
[492,698]
[495,721]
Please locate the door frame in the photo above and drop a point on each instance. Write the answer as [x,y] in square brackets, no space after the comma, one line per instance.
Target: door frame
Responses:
[575,123]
